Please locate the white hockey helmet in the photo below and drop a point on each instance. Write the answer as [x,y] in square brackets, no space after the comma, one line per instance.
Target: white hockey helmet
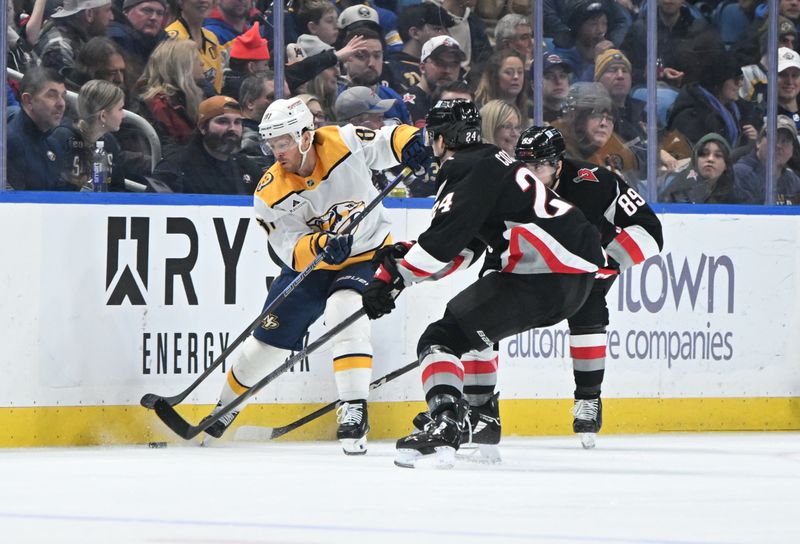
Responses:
[286,116]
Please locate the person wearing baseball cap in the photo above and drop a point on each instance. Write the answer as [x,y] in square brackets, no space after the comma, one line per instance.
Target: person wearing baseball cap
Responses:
[362,107]
[612,69]
[74,24]
[139,31]
[789,84]
[356,14]
[249,56]
[211,163]
[556,72]
[440,64]
[751,170]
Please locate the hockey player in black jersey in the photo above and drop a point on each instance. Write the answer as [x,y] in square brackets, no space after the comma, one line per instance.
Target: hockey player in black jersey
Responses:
[544,252]
[630,233]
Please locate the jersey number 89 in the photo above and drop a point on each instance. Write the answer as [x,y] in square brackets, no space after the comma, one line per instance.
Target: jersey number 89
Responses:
[630,201]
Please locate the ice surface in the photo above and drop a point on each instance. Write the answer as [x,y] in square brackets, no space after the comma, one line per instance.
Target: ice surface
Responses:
[667,488]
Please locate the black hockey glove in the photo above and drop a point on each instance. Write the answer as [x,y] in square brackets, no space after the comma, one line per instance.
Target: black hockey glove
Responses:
[416,155]
[378,297]
[334,247]
[394,251]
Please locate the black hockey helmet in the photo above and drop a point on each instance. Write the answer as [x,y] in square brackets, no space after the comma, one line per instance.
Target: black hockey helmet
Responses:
[458,120]
[540,144]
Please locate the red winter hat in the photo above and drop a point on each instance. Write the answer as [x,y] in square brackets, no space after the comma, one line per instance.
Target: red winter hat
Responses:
[250,45]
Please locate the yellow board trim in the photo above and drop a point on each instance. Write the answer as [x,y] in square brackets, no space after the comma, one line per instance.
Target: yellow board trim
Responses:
[349,363]
[97,425]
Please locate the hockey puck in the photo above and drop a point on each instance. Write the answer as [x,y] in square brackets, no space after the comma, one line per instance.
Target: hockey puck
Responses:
[156,444]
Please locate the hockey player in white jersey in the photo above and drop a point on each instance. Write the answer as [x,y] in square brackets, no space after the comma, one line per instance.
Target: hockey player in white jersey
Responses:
[321,179]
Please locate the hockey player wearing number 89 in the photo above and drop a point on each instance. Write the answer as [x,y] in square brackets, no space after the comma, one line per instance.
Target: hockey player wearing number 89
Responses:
[545,256]
[321,180]
[630,232]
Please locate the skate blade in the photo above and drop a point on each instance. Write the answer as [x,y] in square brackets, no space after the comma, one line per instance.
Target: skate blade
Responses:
[588,440]
[444,457]
[487,454]
[354,446]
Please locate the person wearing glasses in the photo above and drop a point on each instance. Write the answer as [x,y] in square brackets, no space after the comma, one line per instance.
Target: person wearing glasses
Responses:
[501,124]
[588,130]
[139,31]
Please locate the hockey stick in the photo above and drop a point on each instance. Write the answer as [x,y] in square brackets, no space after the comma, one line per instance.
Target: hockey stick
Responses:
[258,433]
[166,412]
[149,400]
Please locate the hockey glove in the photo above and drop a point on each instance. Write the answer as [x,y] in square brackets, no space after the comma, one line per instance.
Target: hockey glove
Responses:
[334,247]
[378,297]
[394,251]
[416,155]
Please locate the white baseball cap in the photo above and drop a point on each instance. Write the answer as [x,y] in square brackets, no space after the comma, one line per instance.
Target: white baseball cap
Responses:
[441,41]
[788,58]
[356,14]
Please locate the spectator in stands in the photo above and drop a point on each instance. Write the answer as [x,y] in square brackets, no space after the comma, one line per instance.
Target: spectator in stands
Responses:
[139,31]
[501,124]
[229,20]
[746,48]
[304,66]
[557,21]
[555,86]
[589,23]
[753,93]
[317,22]
[504,78]
[440,64]
[169,92]
[364,69]
[360,106]
[588,130]
[709,105]
[100,58]
[708,179]
[789,84]
[257,92]
[69,29]
[513,31]
[751,170]
[211,162]
[315,107]
[100,113]
[613,70]
[189,26]
[417,24]
[358,13]
[249,56]
[452,91]
[676,25]
[469,30]
[33,157]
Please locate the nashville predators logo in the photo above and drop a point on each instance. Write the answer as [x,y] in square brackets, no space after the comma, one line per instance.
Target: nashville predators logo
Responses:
[337,217]
[270,322]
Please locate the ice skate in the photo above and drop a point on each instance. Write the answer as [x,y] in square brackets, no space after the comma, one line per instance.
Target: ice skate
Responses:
[588,414]
[353,426]
[435,446]
[217,429]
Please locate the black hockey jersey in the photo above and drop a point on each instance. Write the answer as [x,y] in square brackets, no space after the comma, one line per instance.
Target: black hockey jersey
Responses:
[629,228]
[486,198]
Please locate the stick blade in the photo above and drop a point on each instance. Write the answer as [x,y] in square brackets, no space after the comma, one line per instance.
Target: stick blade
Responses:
[149,400]
[174,421]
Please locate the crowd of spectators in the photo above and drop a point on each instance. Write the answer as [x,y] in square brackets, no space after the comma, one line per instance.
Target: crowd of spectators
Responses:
[201,73]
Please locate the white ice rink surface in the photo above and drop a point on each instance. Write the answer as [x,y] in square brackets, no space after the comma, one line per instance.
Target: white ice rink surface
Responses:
[667,488]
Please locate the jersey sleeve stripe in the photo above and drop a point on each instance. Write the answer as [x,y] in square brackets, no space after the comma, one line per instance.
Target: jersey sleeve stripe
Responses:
[632,246]
[420,264]
[401,135]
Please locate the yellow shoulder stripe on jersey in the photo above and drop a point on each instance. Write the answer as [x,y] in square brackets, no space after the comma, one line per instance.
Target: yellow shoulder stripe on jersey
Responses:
[304,254]
[400,137]
[277,184]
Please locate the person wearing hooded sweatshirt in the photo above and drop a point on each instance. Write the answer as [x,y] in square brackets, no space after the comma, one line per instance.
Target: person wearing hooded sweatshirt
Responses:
[708,179]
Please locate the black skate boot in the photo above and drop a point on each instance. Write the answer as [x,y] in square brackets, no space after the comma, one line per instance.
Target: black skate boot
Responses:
[588,414]
[353,426]
[217,429]
[482,434]
[435,446]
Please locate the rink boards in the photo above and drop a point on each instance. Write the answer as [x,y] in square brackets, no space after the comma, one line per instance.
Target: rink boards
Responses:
[103,303]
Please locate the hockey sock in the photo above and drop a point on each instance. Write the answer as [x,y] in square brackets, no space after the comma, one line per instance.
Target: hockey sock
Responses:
[442,376]
[255,360]
[588,351]
[352,349]
[480,375]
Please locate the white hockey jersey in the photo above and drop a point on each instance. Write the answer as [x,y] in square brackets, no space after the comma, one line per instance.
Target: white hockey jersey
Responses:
[295,210]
